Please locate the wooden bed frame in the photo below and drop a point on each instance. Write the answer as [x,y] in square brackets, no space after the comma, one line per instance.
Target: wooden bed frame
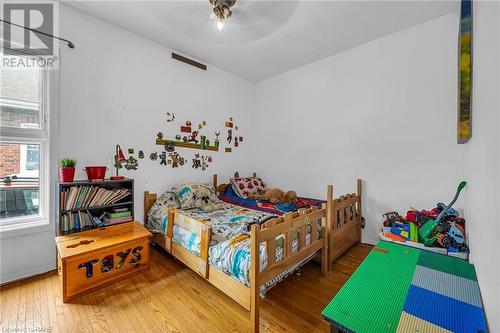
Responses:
[341,233]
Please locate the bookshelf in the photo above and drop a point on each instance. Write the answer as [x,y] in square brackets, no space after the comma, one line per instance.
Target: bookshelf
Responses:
[80,203]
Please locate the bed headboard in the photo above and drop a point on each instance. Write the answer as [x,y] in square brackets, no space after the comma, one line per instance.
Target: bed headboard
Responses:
[149,200]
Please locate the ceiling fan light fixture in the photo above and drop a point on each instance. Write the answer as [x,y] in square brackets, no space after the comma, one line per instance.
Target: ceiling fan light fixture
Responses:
[222,10]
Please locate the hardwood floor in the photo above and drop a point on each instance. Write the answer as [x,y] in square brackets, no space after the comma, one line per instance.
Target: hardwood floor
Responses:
[172,298]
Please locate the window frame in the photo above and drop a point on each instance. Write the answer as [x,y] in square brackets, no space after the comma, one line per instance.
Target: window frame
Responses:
[39,136]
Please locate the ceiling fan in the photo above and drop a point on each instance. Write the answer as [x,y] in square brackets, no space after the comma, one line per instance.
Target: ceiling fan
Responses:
[221,11]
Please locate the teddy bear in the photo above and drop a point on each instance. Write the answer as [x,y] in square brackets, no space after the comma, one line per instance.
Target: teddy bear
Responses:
[206,200]
[275,195]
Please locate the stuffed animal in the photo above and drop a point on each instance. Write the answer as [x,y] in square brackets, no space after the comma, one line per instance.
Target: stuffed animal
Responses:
[206,200]
[291,197]
[221,188]
[275,195]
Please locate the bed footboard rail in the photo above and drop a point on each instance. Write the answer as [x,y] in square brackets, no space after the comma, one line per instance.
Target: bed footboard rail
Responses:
[198,263]
[285,227]
[345,226]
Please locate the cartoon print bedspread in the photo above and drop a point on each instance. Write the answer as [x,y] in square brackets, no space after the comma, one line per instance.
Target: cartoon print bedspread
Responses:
[231,197]
[233,257]
[229,249]
[228,222]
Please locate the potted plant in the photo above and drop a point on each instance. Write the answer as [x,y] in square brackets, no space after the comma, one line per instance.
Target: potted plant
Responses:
[67,169]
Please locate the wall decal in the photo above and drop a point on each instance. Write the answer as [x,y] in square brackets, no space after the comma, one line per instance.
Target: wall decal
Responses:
[131,150]
[131,163]
[194,140]
[177,160]
[186,128]
[194,137]
[169,147]
[170,117]
[465,73]
[201,161]
[163,158]
[141,154]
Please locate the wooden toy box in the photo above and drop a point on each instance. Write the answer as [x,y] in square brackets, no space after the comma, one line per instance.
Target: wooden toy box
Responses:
[91,259]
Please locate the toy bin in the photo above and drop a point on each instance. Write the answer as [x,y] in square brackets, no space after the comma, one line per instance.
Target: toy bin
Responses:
[440,250]
[91,259]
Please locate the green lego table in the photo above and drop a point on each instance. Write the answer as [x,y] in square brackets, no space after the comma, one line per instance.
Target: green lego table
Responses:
[403,289]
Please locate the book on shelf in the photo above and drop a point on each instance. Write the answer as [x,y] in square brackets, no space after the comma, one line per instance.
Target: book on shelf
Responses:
[115,215]
[110,221]
[86,196]
[84,220]
[80,221]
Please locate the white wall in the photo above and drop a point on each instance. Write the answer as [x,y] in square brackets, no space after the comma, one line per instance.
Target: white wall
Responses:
[384,112]
[483,158]
[116,88]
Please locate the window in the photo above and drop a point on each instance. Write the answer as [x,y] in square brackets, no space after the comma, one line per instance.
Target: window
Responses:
[23,146]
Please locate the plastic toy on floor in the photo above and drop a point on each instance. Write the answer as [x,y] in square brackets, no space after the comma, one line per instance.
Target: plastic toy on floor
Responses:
[407,230]
[391,218]
[428,233]
[440,229]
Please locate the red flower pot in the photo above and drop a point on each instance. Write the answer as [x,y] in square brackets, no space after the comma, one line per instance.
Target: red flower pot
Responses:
[67,175]
[95,173]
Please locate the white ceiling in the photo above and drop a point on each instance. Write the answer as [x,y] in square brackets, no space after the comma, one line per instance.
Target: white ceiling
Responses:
[265,38]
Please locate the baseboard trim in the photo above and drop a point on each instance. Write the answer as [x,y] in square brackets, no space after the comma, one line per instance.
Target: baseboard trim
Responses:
[14,277]
[370,241]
